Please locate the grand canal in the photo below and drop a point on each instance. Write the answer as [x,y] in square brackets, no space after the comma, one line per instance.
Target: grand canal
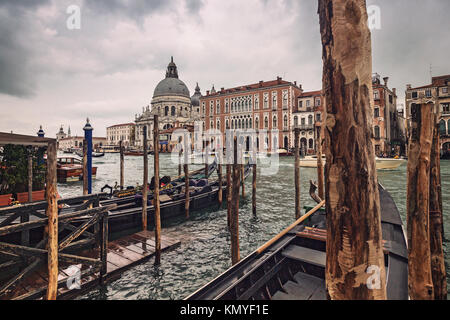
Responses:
[205,249]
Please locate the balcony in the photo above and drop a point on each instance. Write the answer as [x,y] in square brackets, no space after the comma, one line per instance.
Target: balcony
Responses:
[304,126]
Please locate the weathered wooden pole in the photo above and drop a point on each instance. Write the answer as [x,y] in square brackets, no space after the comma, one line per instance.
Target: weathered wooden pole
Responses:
[320,173]
[355,261]
[242,179]
[297,173]
[30,175]
[438,273]
[122,164]
[145,184]
[229,192]
[186,177]
[156,191]
[234,225]
[206,159]
[85,170]
[418,203]
[220,195]
[254,189]
[52,227]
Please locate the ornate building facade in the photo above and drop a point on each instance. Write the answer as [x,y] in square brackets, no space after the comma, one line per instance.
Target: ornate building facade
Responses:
[173,104]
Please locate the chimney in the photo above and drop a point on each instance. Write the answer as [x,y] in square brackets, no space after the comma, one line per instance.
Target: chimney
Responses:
[207,92]
[222,90]
[300,87]
[394,90]
[278,80]
[408,87]
[386,79]
[295,83]
[260,83]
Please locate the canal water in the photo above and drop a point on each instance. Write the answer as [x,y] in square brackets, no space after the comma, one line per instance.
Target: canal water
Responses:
[205,249]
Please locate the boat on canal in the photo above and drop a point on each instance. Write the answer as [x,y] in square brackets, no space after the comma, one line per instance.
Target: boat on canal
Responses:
[70,169]
[203,195]
[381,163]
[291,266]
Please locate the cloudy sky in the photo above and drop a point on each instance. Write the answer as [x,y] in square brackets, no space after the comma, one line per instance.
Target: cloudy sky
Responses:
[107,70]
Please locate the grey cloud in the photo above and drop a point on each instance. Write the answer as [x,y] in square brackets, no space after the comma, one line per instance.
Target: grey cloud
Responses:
[16,76]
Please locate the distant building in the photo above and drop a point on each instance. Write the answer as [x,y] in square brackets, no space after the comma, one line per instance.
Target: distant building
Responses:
[265,105]
[60,134]
[436,92]
[388,137]
[306,116]
[124,132]
[77,142]
[173,104]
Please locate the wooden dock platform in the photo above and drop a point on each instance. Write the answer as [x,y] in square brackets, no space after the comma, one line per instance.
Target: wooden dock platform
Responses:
[122,254]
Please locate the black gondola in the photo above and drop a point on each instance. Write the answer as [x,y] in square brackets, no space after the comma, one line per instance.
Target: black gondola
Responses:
[293,267]
[128,214]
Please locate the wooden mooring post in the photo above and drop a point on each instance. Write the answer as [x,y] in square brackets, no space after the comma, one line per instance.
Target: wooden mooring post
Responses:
[122,164]
[145,184]
[254,159]
[438,272]
[229,192]
[420,281]
[234,221]
[320,173]
[52,227]
[30,174]
[352,198]
[186,176]
[156,202]
[220,194]
[297,173]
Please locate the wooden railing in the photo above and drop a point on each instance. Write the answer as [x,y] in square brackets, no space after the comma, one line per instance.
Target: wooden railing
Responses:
[85,213]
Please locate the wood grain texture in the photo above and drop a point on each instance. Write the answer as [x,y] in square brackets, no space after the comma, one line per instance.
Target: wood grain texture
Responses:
[352,198]
[156,191]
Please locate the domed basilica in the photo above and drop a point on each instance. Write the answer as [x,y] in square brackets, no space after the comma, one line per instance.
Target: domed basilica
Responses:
[174,105]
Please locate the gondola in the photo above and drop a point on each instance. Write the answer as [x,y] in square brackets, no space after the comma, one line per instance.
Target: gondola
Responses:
[292,265]
[128,214]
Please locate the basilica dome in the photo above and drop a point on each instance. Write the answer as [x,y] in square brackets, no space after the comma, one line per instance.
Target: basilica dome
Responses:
[171,85]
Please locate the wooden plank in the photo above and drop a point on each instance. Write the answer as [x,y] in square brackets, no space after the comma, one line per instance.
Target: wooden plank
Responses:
[314,257]
[124,252]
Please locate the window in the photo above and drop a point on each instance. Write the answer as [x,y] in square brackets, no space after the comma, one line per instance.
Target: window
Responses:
[285,121]
[377,132]
[303,121]
[318,117]
[212,125]
[218,124]
[308,103]
[376,95]
[227,124]
[428,93]
[257,123]
[250,123]
[376,113]
[285,98]
[310,119]
[311,143]
[217,107]
[203,108]
[266,122]
[318,102]
[226,106]
[295,121]
[445,108]
[414,95]
[274,122]
[300,104]
[391,98]
[445,90]
[256,103]
[173,111]
[211,108]
[442,129]
[246,123]
[274,101]
[166,111]
[266,100]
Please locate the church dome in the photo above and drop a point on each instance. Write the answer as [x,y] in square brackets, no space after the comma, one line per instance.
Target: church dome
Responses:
[171,85]
[195,99]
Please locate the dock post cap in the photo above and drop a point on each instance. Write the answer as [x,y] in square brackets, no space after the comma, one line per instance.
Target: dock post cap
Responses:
[87,126]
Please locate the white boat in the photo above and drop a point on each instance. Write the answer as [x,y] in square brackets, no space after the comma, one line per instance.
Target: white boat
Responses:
[382,163]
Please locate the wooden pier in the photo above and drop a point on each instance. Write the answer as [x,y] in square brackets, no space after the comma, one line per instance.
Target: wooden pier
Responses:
[122,254]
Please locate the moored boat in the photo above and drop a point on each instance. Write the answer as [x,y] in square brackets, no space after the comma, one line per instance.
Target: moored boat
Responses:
[70,169]
[292,265]
[381,163]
